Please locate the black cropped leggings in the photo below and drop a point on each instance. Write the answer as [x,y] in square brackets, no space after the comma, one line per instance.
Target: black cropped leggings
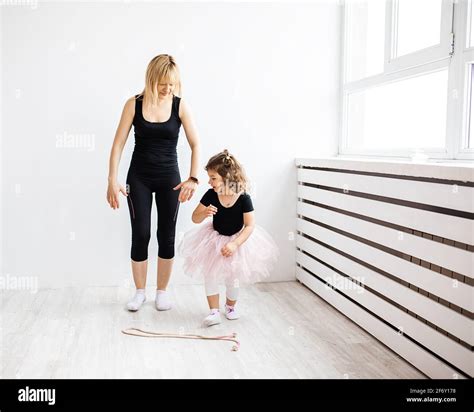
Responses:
[139,201]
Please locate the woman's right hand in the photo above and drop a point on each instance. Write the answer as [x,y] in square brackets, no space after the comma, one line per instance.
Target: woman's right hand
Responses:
[210,211]
[113,193]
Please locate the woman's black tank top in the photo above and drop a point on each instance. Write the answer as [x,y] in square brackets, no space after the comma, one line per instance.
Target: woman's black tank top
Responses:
[155,142]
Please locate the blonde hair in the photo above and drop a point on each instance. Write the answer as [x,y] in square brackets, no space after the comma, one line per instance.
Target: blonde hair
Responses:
[231,171]
[161,68]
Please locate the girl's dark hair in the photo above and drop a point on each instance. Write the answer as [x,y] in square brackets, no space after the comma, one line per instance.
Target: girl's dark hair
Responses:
[227,166]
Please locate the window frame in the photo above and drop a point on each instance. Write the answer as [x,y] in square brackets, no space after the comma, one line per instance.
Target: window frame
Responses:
[419,57]
[460,84]
[439,57]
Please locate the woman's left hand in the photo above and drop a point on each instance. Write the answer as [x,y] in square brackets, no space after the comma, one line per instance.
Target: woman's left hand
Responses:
[229,249]
[188,188]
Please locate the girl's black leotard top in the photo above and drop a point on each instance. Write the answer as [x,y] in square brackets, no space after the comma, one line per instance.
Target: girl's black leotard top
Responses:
[228,220]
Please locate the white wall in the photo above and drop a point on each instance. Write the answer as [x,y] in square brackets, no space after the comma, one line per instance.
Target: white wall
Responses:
[261,79]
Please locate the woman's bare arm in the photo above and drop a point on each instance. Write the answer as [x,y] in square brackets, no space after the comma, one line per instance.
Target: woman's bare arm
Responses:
[188,187]
[121,136]
[191,135]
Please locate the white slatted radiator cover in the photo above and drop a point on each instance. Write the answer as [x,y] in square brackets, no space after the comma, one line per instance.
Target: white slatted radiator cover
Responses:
[391,246]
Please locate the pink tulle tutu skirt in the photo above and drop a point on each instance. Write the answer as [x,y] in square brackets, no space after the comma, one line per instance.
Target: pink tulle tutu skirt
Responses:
[251,262]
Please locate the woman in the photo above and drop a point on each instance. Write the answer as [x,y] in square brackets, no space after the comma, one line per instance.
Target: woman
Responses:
[156,114]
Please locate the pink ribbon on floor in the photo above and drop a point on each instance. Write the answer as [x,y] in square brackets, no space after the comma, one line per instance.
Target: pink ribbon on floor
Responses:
[148,334]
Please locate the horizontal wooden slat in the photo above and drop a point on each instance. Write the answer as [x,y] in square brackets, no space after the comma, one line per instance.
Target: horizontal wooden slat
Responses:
[417,330]
[446,226]
[419,357]
[446,288]
[436,194]
[458,260]
[442,316]
[457,171]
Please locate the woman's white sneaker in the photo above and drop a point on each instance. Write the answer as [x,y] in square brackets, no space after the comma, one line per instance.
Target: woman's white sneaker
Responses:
[137,301]
[162,300]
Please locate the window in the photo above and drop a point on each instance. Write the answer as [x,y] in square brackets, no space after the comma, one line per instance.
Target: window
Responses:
[470,122]
[374,114]
[470,29]
[406,84]
[366,39]
[466,63]
[408,17]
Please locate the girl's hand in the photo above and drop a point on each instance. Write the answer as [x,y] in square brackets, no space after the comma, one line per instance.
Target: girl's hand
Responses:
[210,211]
[113,193]
[229,249]
[188,187]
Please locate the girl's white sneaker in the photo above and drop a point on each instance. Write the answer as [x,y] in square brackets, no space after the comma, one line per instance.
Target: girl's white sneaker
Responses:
[231,313]
[213,318]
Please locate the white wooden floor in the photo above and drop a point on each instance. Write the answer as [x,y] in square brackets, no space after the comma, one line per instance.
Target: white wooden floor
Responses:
[286,331]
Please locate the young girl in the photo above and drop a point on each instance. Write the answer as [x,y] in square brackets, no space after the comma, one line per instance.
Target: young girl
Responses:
[231,249]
